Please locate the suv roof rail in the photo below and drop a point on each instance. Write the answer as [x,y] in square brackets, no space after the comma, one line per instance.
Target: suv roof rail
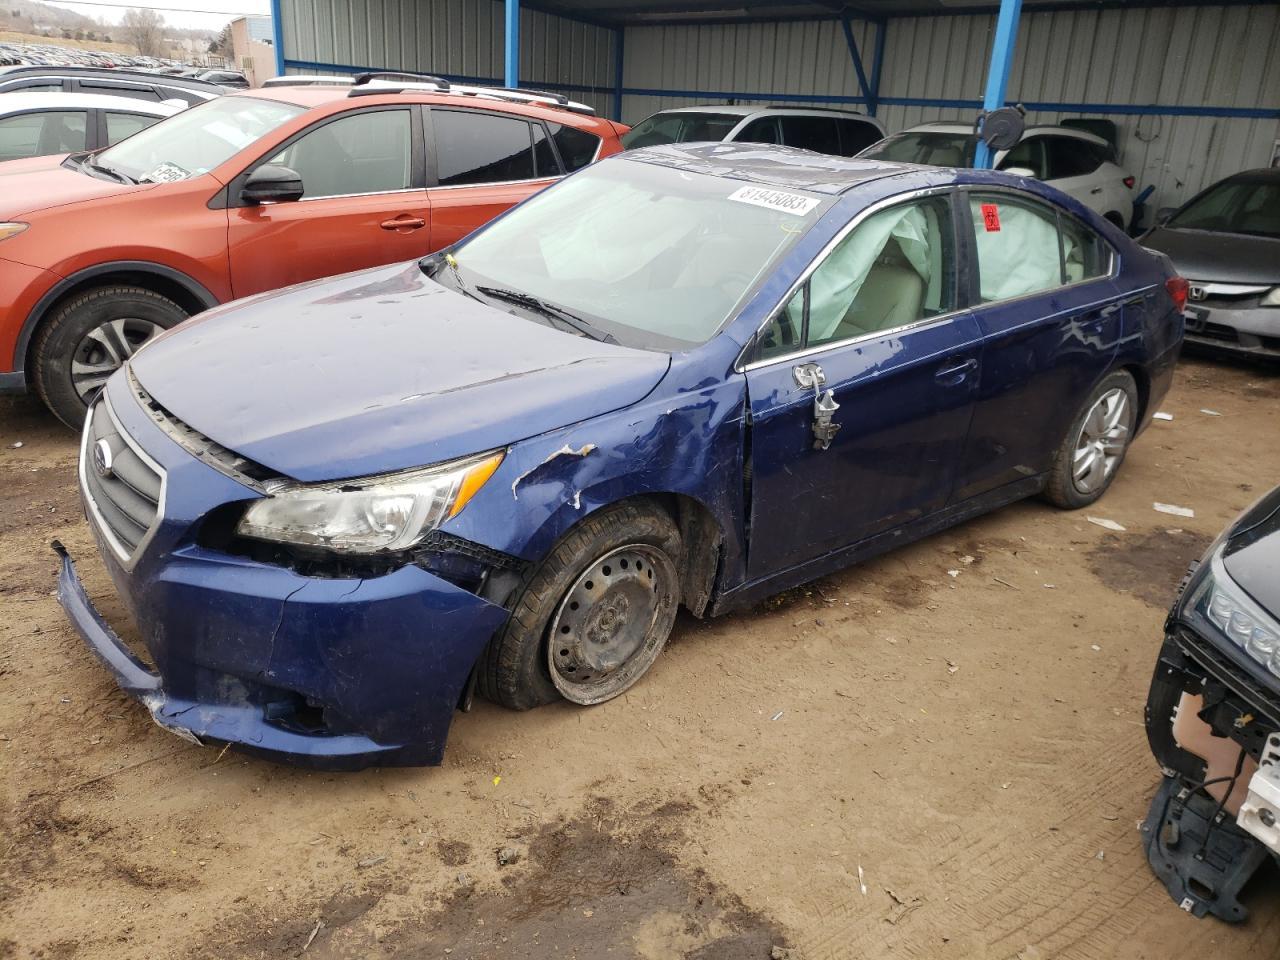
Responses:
[362,79]
[370,84]
[780,106]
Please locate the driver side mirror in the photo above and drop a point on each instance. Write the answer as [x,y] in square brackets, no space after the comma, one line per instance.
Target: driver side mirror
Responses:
[272,183]
[1021,172]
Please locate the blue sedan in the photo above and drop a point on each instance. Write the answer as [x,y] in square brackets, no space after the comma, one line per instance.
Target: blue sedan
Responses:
[691,375]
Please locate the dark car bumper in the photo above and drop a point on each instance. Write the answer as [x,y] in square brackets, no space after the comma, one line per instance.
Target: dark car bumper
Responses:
[331,672]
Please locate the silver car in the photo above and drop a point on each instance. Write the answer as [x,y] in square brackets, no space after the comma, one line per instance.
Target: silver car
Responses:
[822,130]
[1226,242]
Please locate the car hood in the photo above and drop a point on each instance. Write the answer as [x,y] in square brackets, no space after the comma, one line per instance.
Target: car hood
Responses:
[1252,552]
[381,370]
[1218,257]
[27,186]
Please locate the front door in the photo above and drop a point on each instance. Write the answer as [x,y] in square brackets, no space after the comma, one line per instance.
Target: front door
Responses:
[861,389]
[363,204]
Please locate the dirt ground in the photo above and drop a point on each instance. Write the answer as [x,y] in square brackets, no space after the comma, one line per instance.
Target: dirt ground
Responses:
[894,762]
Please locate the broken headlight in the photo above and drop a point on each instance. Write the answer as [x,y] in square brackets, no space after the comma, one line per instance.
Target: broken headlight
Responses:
[373,514]
[1220,607]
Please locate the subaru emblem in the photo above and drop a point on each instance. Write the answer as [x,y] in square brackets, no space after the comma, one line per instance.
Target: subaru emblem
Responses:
[103,459]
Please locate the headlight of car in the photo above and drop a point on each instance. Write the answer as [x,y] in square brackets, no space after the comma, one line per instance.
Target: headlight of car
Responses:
[1269,299]
[8,230]
[1218,605]
[383,513]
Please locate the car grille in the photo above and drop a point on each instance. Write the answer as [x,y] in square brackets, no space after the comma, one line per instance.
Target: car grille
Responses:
[123,487]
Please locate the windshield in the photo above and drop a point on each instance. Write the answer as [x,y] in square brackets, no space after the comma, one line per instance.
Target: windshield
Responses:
[934,148]
[651,255]
[683,127]
[1235,206]
[195,141]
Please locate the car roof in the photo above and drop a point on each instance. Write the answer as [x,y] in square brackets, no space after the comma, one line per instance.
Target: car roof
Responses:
[1257,175]
[55,70]
[23,102]
[745,110]
[950,126]
[769,164]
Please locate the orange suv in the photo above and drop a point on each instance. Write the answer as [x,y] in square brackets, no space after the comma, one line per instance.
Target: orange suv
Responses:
[252,191]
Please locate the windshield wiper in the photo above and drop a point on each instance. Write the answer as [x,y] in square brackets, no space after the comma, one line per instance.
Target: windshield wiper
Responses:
[530,302]
[447,259]
[109,171]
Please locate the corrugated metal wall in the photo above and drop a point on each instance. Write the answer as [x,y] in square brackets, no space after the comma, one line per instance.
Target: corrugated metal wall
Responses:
[451,37]
[1189,56]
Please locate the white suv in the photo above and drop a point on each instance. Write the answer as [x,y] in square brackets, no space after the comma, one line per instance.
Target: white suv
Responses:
[1077,163]
[839,132]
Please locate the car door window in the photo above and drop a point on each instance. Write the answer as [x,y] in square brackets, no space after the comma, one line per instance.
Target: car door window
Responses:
[1084,254]
[121,125]
[818,134]
[894,269]
[1029,155]
[577,148]
[763,130]
[1070,158]
[133,91]
[1017,246]
[41,134]
[474,147]
[34,86]
[856,136]
[366,152]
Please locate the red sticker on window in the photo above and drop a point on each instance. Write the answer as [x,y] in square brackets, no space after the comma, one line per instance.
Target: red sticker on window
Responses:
[991,217]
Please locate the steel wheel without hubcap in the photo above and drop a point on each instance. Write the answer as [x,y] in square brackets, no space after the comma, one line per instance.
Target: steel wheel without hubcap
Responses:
[1104,434]
[612,623]
[104,349]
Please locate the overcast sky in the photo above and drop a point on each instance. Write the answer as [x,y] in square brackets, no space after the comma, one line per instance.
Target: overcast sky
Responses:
[197,14]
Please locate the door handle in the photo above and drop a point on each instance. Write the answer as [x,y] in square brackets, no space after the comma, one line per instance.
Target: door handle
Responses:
[403,223]
[824,403]
[955,370]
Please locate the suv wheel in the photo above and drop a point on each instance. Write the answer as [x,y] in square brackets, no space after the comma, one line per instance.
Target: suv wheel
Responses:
[89,337]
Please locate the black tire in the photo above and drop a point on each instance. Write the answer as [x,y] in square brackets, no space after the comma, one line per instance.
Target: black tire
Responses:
[1062,489]
[513,670]
[66,330]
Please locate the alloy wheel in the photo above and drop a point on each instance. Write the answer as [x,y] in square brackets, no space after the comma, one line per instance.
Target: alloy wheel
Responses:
[104,349]
[1104,435]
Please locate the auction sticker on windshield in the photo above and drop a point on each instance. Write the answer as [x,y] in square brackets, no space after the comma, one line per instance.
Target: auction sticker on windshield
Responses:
[793,203]
[167,173]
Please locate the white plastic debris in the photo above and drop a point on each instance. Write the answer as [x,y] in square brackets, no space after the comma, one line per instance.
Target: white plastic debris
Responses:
[861,883]
[17,445]
[1094,647]
[1162,416]
[1174,509]
[1210,413]
[953,573]
[1105,523]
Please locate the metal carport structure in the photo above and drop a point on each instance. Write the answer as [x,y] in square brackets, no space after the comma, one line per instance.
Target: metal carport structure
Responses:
[1194,87]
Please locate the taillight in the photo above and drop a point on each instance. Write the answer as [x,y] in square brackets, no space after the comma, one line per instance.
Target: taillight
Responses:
[1177,287]
[1129,182]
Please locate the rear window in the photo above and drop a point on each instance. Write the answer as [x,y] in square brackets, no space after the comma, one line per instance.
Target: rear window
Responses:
[932,147]
[818,134]
[577,147]
[680,127]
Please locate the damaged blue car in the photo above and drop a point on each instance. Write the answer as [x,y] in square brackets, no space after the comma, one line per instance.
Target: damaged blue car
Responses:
[691,375]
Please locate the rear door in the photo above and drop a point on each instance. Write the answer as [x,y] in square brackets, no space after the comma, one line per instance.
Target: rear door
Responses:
[364,202]
[42,133]
[485,162]
[1074,169]
[861,389]
[1050,314]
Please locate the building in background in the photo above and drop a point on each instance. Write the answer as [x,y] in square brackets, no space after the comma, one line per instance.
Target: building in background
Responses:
[252,51]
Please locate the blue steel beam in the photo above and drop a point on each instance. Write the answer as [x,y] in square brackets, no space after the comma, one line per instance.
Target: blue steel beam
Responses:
[619,50]
[847,24]
[877,64]
[277,35]
[512,33]
[998,72]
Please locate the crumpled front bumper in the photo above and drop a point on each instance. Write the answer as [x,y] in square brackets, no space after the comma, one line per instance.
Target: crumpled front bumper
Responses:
[336,672]
[406,701]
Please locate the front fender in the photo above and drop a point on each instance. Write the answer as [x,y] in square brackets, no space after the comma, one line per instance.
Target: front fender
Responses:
[689,444]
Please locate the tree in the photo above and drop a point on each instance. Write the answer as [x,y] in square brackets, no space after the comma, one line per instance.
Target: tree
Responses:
[222,44]
[143,29]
